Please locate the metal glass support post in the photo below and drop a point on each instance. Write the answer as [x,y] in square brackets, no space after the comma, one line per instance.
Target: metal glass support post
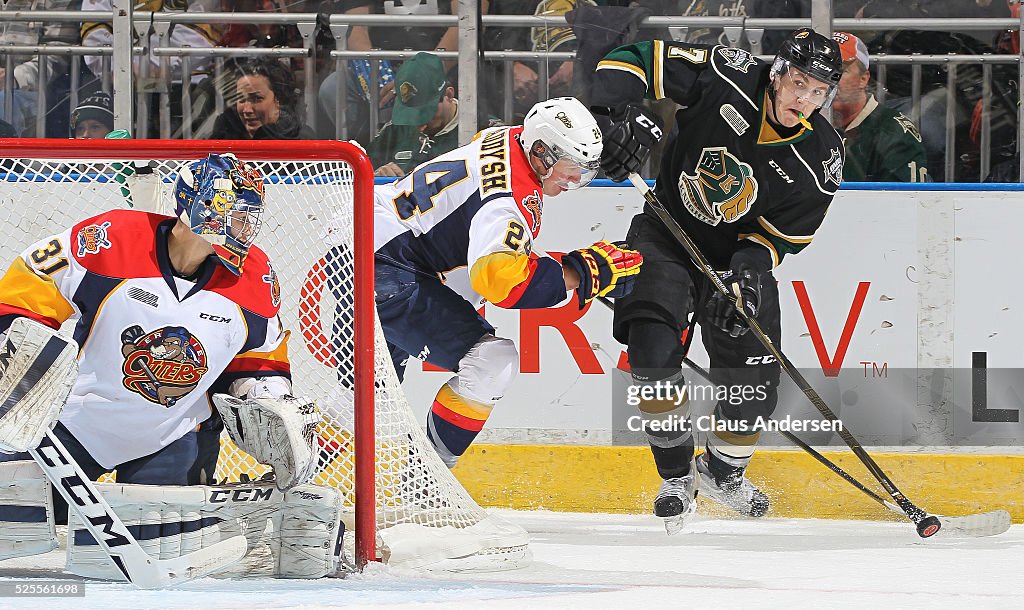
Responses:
[122,63]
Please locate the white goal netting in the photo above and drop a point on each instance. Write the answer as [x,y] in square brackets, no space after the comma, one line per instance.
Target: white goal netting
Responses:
[424,516]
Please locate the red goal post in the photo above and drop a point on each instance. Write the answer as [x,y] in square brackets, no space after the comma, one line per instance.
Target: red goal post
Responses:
[362,209]
[317,230]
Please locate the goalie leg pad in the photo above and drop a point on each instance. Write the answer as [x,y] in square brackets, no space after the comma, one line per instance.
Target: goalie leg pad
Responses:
[308,532]
[278,432]
[301,527]
[26,511]
[37,369]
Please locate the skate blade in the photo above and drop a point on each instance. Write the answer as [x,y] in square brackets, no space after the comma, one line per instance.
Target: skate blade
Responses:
[676,523]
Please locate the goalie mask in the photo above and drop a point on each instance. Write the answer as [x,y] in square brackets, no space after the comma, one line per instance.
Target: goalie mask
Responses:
[221,199]
[563,135]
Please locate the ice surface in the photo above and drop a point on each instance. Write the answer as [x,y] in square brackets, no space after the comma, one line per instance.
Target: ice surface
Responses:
[626,561]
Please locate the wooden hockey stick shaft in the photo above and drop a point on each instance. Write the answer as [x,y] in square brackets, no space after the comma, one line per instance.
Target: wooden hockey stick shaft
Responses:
[927,524]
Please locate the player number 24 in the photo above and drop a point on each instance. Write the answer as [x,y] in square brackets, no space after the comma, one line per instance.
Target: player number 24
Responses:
[428,182]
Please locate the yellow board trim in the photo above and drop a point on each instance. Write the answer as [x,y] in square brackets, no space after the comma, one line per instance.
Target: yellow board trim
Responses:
[624,480]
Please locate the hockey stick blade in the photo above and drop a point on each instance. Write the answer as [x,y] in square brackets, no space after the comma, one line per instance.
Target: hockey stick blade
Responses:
[138,567]
[977,525]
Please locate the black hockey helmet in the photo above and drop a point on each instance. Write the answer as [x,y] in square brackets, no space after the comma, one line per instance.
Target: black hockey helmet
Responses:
[813,54]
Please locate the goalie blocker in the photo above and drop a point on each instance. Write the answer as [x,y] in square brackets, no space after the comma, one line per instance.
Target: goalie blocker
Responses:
[302,527]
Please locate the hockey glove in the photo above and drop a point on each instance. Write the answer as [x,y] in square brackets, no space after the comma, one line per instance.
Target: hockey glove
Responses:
[628,140]
[742,282]
[605,269]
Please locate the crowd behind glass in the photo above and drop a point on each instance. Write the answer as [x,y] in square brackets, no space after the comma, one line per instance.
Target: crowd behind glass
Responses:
[262,97]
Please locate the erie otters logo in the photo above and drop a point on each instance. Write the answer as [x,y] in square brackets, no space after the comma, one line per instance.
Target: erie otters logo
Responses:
[163,365]
[722,187]
[92,238]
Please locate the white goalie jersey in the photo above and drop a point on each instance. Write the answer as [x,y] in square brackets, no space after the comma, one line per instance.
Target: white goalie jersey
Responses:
[151,345]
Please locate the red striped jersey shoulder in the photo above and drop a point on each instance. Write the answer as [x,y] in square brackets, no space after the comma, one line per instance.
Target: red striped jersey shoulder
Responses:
[526,187]
[257,289]
[119,243]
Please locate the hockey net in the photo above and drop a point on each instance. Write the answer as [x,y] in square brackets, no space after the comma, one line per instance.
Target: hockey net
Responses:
[316,192]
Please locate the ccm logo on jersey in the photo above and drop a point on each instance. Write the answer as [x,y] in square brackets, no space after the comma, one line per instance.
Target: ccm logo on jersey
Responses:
[213,318]
[244,494]
[756,360]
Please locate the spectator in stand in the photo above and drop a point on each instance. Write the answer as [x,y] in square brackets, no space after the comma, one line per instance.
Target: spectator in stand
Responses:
[264,108]
[424,122]
[363,38]
[93,119]
[882,145]
[201,36]
[25,73]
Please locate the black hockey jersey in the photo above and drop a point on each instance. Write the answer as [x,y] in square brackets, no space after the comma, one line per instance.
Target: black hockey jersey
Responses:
[730,177]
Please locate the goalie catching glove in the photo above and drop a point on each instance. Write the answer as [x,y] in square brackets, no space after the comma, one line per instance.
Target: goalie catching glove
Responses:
[605,269]
[278,432]
[627,139]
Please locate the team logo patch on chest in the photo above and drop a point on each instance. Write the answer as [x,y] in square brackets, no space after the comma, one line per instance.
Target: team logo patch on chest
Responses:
[721,188]
[834,167]
[737,59]
[162,365]
[93,238]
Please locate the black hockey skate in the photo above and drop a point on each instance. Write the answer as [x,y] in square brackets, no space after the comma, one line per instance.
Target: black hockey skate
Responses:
[733,491]
[676,502]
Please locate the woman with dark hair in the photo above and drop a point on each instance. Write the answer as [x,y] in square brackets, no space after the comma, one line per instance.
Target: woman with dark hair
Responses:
[265,105]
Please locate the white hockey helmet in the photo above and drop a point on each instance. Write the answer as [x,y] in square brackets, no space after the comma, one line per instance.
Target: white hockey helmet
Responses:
[563,130]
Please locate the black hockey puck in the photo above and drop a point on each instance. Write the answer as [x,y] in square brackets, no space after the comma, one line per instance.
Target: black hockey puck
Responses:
[928,526]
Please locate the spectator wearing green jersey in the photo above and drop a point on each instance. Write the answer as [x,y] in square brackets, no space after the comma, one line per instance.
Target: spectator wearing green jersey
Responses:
[424,122]
[882,145]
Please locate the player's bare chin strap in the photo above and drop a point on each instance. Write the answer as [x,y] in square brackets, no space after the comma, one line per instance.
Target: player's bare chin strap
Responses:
[464,403]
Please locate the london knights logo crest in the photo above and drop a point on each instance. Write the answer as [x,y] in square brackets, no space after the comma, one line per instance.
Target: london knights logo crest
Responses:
[722,188]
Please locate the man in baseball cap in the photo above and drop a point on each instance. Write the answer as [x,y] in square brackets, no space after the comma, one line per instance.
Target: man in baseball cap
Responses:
[424,121]
[419,87]
[882,145]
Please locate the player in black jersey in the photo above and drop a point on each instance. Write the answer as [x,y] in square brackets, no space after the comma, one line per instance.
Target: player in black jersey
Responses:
[749,178]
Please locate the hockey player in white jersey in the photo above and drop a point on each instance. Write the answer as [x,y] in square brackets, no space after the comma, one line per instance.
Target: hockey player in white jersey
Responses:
[458,231]
[168,312]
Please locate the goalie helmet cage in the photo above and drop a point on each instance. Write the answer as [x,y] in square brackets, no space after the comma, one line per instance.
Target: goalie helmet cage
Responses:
[317,231]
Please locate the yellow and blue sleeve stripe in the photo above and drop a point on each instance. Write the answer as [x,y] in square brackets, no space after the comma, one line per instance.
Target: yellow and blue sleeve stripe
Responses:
[518,281]
[23,292]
